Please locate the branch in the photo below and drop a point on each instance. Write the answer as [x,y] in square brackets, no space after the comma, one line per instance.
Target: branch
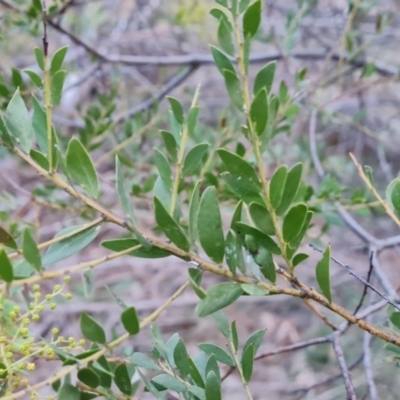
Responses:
[351,395]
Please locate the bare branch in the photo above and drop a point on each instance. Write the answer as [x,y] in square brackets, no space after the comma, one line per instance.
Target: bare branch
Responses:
[351,395]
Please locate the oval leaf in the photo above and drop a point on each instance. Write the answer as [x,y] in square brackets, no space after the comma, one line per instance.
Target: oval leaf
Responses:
[248,362]
[91,329]
[259,111]
[31,251]
[58,59]
[221,61]
[265,78]
[194,157]
[225,37]
[7,239]
[240,168]
[19,122]
[163,166]
[218,297]
[262,218]
[126,243]
[130,321]
[122,379]
[291,187]
[88,377]
[293,222]
[323,274]
[213,387]
[220,354]
[81,169]
[177,109]
[170,227]
[209,226]
[57,84]
[232,84]
[395,196]
[73,244]
[277,186]
[6,269]
[252,19]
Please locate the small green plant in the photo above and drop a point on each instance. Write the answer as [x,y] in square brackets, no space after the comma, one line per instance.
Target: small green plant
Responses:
[261,253]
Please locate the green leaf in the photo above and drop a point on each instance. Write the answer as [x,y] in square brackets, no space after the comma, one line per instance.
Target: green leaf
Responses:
[19,122]
[255,339]
[259,111]
[220,354]
[254,290]
[69,392]
[57,84]
[298,258]
[130,321]
[222,323]
[162,192]
[293,222]
[192,119]
[195,279]
[165,381]
[40,159]
[39,57]
[219,297]
[209,226]
[141,360]
[150,387]
[194,157]
[261,238]
[177,109]
[262,218]
[232,251]
[225,37]
[291,187]
[122,192]
[213,387]
[6,269]
[240,168]
[223,3]
[163,166]
[232,84]
[126,243]
[122,379]
[81,169]
[294,244]
[57,60]
[395,196]
[234,336]
[170,227]
[181,358]
[266,263]
[211,365]
[195,373]
[170,145]
[34,77]
[91,329]
[88,377]
[39,125]
[277,186]
[265,78]
[193,210]
[252,19]
[222,62]
[7,239]
[5,135]
[248,362]
[323,274]
[395,319]
[31,251]
[67,247]
[242,188]
[219,14]
[243,4]
[102,369]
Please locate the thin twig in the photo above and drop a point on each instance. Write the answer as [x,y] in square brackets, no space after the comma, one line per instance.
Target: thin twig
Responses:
[351,395]
[371,267]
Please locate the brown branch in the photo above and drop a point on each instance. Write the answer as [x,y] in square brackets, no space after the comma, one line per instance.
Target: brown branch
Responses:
[303,292]
[351,395]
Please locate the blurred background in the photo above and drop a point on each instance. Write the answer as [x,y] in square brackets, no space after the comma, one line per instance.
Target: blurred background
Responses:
[340,58]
